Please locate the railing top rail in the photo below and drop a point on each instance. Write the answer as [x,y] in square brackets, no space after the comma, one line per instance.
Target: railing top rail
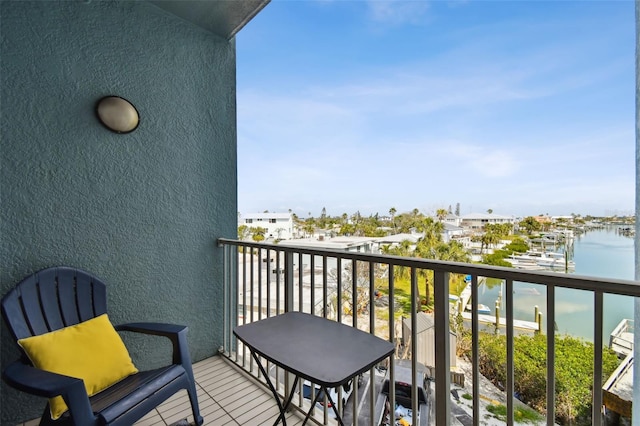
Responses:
[572,281]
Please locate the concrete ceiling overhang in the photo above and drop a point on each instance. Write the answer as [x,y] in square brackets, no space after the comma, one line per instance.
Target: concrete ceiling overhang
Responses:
[222,17]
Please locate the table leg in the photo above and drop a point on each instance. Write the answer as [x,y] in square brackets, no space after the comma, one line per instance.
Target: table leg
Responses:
[333,405]
[282,408]
[335,410]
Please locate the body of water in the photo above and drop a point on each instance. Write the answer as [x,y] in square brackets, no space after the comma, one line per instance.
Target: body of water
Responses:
[599,253]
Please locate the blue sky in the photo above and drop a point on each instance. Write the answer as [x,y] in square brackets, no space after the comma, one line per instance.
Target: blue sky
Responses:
[522,107]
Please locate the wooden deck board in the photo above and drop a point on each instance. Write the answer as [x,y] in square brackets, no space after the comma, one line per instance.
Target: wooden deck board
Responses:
[226,397]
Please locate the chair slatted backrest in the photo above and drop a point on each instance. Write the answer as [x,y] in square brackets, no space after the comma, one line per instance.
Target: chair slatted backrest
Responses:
[52,299]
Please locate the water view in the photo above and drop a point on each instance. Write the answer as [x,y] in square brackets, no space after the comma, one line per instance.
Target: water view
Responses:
[599,253]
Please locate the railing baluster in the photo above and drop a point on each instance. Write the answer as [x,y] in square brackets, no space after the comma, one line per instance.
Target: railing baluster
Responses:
[415,307]
[475,350]
[372,313]
[288,282]
[251,284]
[300,309]
[392,334]
[372,330]
[260,283]
[339,289]
[244,298]
[509,391]
[255,276]
[244,284]
[300,286]
[269,259]
[354,293]
[442,349]
[312,286]
[325,291]
[235,282]
[596,416]
[278,294]
[551,355]
[267,308]
[226,305]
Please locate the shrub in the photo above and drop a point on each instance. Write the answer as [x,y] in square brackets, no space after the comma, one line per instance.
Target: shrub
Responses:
[520,415]
[574,372]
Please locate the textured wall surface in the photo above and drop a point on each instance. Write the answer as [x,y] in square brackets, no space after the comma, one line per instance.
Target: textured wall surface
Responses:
[142,210]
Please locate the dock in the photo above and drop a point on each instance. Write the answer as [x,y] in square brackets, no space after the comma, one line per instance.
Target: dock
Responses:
[621,338]
[489,319]
[618,389]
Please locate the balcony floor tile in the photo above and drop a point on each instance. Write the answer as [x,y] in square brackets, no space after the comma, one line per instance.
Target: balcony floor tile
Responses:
[226,396]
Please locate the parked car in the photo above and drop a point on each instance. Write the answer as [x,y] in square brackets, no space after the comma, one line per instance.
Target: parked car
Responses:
[347,390]
[402,414]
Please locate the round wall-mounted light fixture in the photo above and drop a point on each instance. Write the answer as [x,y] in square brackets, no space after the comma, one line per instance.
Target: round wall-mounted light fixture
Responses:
[117,114]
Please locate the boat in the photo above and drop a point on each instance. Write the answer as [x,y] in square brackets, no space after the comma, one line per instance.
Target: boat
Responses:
[530,290]
[540,260]
[482,309]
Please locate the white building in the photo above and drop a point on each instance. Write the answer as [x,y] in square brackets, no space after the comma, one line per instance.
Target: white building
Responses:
[452,219]
[349,244]
[395,240]
[477,221]
[279,226]
[457,233]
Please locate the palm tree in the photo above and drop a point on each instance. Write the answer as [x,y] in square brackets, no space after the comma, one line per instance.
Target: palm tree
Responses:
[243,232]
[392,212]
[432,233]
[258,233]
[403,249]
[441,214]
[453,251]
[426,249]
[309,228]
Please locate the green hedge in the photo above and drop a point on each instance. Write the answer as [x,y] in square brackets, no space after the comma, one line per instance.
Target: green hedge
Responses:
[574,372]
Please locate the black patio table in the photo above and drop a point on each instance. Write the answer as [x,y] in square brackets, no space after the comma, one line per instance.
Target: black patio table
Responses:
[322,351]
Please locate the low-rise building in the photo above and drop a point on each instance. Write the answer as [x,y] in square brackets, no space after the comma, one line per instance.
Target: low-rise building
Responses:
[279,226]
[477,221]
[349,244]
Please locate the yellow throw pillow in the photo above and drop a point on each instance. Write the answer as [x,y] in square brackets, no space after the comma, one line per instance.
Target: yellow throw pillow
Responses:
[92,351]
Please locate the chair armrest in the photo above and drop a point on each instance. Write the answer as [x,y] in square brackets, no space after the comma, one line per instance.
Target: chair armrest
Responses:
[47,384]
[35,381]
[176,333]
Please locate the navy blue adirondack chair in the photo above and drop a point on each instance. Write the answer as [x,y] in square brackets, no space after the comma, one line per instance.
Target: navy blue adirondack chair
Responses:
[59,297]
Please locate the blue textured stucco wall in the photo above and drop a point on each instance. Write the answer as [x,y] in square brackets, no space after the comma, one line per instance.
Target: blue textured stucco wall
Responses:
[142,210]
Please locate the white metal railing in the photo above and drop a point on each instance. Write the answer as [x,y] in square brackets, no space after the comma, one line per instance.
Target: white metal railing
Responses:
[325,282]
